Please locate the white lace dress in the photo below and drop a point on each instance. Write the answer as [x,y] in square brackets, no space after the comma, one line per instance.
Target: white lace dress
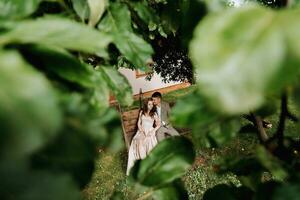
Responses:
[141,143]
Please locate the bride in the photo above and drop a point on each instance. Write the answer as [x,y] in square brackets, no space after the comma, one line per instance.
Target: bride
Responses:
[144,140]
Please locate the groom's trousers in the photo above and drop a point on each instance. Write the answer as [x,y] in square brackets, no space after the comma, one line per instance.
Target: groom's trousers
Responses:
[166,131]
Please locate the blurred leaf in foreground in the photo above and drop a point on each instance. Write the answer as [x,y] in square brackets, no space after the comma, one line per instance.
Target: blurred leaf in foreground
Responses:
[168,161]
[29,112]
[59,32]
[247,63]
[16,9]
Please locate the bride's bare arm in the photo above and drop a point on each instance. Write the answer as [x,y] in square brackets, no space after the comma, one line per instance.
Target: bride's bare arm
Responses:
[140,127]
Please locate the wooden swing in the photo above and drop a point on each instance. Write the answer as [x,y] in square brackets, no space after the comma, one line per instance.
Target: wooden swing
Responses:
[129,121]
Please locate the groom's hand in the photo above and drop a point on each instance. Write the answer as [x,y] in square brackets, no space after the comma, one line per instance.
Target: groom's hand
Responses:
[164,124]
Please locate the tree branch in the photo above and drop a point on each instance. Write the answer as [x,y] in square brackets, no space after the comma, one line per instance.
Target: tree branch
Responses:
[292,116]
[283,115]
[266,124]
[261,132]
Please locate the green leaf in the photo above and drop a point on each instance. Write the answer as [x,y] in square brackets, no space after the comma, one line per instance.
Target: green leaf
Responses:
[291,31]
[168,161]
[227,192]
[208,128]
[59,32]
[112,123]
[20,183]
[268,108]
[173,191]
[193,11]
[117,196]
[97,8]
[99,125]
[192,111]
[29,112]
[117,24]
[287,192]
[295,3]
[271,163]
[118,84]
[240,166]
[61,63]
[266,190]
[233,81]
[216,5]
[296,93]
[101,94]
[66,66]
[171,15]
[16,9]
[72,152]
[162,32]
[224,132]
[81,8]
[146,13]
[161,1]
[248,169]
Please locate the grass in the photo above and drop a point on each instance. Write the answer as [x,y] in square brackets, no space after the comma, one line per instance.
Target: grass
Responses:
[109,175]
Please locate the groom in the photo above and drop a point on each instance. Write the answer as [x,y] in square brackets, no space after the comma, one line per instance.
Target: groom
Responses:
[163,111]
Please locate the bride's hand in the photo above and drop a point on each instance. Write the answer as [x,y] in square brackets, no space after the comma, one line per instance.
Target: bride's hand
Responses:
[152,133]
[142,131]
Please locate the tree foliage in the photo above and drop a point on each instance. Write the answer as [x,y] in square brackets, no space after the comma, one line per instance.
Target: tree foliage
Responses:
[171,61]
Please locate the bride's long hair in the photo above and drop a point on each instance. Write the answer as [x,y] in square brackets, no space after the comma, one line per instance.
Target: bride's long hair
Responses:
[145,108]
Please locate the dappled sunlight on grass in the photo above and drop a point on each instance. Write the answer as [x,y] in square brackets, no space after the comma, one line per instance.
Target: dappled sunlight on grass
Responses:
[108,176]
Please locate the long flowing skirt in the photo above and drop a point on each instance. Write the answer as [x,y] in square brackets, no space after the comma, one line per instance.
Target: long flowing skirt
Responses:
[140,147]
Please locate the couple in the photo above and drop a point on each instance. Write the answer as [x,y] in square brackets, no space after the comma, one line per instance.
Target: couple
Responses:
[153,127]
